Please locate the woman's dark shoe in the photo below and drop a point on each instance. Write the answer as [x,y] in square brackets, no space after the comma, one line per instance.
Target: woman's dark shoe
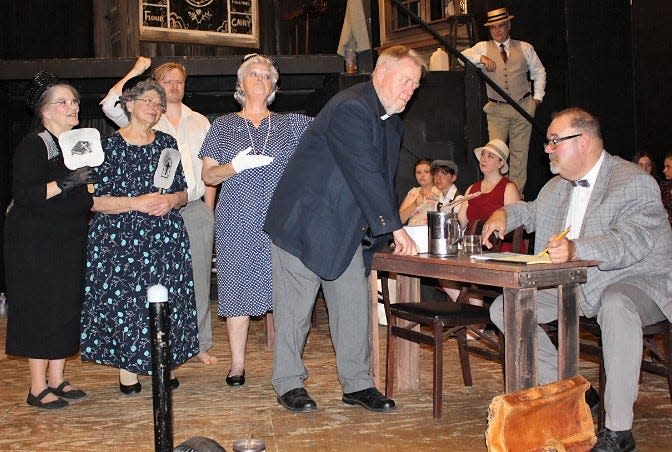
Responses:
[73,394]
[36,401]
[235,380]
[130,389]
[174,383]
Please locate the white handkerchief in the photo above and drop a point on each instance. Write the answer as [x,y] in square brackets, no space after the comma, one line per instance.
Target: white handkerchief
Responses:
[81,147]
[165,172]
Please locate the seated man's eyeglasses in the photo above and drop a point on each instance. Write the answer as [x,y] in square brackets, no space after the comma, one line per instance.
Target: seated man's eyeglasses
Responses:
[553,142]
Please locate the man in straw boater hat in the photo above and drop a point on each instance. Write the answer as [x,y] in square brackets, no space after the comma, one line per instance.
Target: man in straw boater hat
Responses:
[507,62]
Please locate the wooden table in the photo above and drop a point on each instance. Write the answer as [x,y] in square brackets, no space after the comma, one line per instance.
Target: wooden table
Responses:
[519,283]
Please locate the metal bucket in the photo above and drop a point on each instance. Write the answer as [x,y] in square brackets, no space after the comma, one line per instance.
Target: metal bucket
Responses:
[444,233]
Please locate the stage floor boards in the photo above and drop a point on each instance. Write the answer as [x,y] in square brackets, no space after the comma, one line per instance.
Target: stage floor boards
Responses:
[204,405]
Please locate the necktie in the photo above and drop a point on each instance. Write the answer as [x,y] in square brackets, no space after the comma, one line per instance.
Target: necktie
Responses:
[502,52]
[580,183]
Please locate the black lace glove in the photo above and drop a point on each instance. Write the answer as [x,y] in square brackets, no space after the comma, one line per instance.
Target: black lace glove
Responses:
[78,177]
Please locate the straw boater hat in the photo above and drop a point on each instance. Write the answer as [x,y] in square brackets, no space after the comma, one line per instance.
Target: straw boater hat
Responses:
[497,16]
[498,148]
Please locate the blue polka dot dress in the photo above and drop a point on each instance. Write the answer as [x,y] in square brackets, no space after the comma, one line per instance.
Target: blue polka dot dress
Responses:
[129,252]
[243,248]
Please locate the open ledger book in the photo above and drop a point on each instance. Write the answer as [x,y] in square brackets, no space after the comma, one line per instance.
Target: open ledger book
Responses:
[513,257]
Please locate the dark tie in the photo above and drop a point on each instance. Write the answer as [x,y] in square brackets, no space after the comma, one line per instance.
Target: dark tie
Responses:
[502,52]
[580,183]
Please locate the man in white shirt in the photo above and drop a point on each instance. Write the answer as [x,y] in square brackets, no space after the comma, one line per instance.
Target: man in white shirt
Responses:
[189,129]
[508,62]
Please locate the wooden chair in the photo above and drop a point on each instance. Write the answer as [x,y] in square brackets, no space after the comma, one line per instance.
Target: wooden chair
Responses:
[446,319]
[657,358]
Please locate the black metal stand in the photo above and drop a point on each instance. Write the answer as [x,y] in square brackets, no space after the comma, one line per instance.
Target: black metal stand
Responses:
[159,327]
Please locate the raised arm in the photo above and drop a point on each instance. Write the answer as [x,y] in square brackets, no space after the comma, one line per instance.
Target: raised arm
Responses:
[109,104]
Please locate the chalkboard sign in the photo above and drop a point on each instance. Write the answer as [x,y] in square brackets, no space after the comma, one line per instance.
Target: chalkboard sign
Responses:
[215,22]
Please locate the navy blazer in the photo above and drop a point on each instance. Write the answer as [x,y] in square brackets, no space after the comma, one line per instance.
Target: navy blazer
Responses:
[339,183]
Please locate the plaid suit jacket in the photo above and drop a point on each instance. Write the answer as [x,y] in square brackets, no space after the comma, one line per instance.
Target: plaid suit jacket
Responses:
[625,229]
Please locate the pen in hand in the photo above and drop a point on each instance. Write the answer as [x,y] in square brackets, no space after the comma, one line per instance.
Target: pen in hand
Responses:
[558,236]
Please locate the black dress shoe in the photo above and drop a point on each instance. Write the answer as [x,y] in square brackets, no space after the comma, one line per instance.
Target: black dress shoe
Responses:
[371,399]
[235,380]
[174,383]
[130,389]
[593,399]
[36,401]
[297,400]
[71,394]
[612,441]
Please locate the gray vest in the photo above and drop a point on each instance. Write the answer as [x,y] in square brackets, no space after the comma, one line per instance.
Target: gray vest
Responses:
[510,76]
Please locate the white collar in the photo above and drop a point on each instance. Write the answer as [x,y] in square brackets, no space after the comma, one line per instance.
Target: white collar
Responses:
[591,176]
[506,43]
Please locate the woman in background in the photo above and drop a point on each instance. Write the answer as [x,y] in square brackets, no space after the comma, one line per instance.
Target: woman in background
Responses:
[646,162]
[420,199]
[496,190]
[45,244]
[246,152]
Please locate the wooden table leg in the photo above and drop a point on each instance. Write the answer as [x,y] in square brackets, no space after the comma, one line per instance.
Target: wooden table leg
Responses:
[568,330]
[408,353]
[520,336]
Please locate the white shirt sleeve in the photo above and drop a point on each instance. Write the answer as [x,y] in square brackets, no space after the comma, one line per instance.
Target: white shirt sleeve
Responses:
[474,53]
[112,108]
[537,71]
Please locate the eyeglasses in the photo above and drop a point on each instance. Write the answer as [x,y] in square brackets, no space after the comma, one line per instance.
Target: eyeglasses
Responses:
[64,102]
[553,142]
[151,103]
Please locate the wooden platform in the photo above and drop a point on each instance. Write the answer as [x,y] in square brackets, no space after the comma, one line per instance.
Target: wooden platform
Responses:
[204,405]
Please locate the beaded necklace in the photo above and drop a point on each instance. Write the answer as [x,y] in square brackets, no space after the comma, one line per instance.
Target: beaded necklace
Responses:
[249,134]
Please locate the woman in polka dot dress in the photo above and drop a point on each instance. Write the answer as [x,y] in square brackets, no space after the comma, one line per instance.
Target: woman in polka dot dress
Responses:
[137,239]
[246,152]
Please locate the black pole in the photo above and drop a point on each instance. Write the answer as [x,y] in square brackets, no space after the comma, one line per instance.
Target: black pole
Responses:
[468,63]
[159,329]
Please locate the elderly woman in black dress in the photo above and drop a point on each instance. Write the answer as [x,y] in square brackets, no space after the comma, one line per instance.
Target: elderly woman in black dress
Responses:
[45,243]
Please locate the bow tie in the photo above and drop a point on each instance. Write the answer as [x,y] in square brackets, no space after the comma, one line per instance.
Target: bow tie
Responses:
[580,183]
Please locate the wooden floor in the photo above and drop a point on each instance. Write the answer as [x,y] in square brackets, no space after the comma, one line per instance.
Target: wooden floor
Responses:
[205,406]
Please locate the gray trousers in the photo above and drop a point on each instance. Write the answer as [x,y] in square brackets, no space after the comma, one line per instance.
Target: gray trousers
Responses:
[623,310]
[200,222]
[347,297]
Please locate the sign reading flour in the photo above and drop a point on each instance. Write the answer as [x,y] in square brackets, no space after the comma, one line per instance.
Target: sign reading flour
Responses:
[215,22]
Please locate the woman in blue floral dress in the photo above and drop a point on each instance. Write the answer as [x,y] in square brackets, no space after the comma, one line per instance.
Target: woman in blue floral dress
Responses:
[137,239]
[247,152]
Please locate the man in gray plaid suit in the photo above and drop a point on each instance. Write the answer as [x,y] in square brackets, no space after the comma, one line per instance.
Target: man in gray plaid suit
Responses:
[617,218]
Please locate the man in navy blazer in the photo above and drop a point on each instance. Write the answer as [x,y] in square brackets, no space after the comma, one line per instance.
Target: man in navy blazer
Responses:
[617,218]
[335,205]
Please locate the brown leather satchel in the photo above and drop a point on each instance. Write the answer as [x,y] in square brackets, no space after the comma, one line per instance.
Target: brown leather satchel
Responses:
[553,417]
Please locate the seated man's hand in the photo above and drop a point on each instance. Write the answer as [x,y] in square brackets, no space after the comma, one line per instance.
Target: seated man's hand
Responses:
[495,224]
[561,250]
